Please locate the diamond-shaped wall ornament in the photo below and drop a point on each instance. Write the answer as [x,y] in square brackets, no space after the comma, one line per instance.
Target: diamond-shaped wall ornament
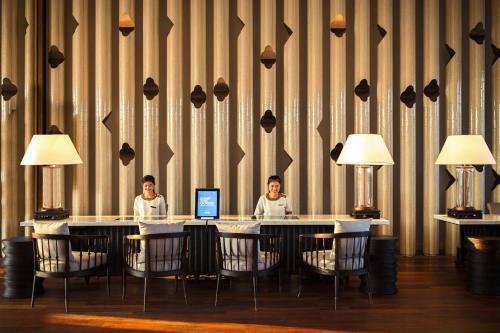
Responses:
[150,88]
[126,25]
[362,90]
[127,154]
[268,57]
[477,33]
[431,90]
[496,54]
[450,53]
[338,25]
[198,96]
[7,89]
[496,179]
[268,121]
[335,153]
[408,96]
[55,57]
[221,89]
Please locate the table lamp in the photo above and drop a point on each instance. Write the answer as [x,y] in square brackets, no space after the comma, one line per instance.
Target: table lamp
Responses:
[465,151]
[364,151]
[51,151]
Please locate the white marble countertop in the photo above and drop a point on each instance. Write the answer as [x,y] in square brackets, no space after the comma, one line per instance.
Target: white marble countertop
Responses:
[94,221]
[488,219]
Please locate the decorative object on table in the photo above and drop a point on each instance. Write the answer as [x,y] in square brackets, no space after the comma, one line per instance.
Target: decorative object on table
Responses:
[18,268]
[465,152]
[364,151]
[51,151]
[483,265]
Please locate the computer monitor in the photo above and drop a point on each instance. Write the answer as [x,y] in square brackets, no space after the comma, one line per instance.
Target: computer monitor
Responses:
[207,203]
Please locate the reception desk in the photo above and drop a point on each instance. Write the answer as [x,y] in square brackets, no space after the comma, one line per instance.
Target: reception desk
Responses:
[202,234]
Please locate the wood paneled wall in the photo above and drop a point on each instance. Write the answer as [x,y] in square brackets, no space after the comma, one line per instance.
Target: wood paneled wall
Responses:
[224,93]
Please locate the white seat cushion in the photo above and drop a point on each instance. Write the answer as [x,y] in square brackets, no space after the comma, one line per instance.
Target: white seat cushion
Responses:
[88,261]
[326,260]
[52,246]
[156,266]
[264,262]
[162,247]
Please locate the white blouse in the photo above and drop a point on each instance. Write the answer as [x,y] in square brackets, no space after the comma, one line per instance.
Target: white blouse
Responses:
[270,207]
[152,207]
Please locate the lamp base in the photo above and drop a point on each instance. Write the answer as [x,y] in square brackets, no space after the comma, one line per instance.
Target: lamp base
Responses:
[365,213]
[51,214]
[467,213]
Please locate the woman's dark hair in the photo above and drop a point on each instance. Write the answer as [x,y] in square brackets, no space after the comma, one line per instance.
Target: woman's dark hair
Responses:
[148,178]
[274,178]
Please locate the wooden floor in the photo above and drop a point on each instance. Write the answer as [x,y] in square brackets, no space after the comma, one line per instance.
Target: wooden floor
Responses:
[431,298]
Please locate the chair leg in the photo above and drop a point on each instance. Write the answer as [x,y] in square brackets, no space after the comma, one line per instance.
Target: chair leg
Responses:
[124,283]
[33,291]
[369,288]
[87,280]
[145,293]
[217,289]
[335,291]
[108,281]
[66,294]
[184,288]
[255,293]
[279,280]
[176,283]
[300,282]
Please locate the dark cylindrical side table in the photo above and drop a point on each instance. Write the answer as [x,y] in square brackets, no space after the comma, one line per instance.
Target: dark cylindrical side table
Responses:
[383,265]
[482,264]
[18,264]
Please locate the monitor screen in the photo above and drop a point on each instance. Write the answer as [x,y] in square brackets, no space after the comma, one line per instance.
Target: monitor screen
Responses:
[207,203]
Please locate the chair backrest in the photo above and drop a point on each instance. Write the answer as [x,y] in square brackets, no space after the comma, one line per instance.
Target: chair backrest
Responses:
[494,208]
[247,252]
[53,253]
[350,250]
[156,252]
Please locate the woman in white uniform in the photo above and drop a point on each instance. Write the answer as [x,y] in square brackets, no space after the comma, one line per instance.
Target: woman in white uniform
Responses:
[273,203]
[149,203]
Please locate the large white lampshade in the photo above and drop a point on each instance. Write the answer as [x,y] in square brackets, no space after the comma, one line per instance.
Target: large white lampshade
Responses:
[365,149]
[51,149]
[465,150]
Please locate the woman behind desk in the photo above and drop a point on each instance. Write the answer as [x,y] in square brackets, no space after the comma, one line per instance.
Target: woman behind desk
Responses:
[149,203]
[273,203]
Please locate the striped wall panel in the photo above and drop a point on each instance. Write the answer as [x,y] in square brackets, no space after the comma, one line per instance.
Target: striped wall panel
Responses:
[136,103]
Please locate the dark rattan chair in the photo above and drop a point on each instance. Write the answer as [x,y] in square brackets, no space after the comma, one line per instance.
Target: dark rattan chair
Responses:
[338,255]
[53,259]
[238,256]
[155,255]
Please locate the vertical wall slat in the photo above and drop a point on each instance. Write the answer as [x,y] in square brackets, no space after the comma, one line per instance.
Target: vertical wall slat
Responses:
[337,108]
[407,133]
[495,85]
[80,116]
[151,108]
[126,91]
[245,107]
[453,97]
[56,75]
[477,89]
[29,105]
[385,111]
[431,128]
[198,115]
[103,104]
[221,108]
[267,92]
[361,63]
[174,107]
[314,106]
[291,83]
[9,163]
